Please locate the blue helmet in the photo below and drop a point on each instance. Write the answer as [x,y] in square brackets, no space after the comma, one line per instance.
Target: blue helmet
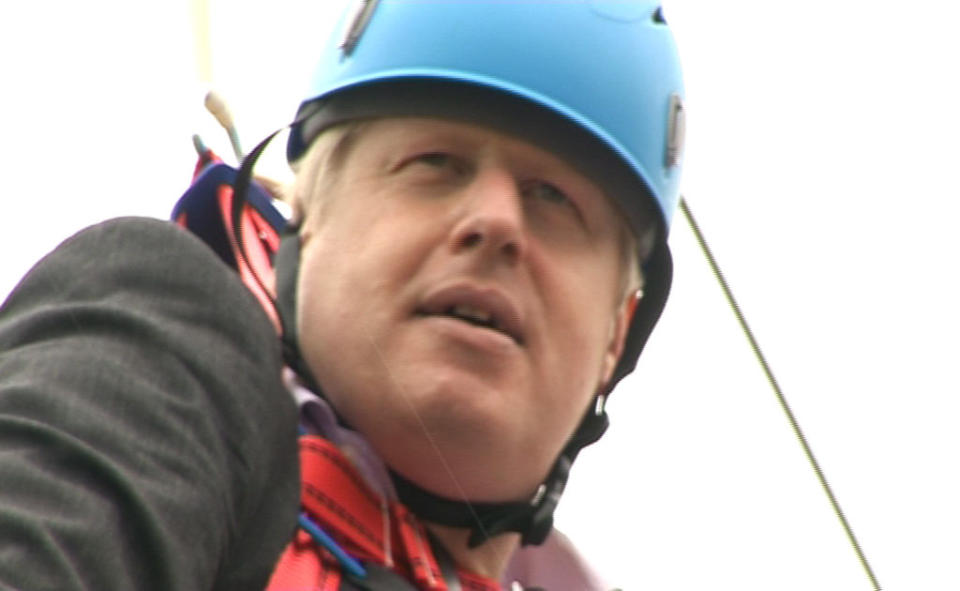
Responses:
[597,82]
[609,67]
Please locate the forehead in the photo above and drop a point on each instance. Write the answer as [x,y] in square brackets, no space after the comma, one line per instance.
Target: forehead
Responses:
[577,142]
[399,137]
[398,132]
[364,146]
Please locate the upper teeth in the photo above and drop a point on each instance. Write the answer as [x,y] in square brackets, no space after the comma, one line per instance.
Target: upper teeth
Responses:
[467,311]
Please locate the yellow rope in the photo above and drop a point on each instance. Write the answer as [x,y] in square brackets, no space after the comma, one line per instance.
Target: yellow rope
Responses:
[201,37]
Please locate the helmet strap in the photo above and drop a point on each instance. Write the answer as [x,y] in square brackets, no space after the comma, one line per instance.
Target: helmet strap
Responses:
[532,519]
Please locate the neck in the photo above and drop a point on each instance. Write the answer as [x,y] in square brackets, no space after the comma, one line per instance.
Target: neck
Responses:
[489,559]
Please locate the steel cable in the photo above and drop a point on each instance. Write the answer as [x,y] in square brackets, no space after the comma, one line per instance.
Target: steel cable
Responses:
[784,405]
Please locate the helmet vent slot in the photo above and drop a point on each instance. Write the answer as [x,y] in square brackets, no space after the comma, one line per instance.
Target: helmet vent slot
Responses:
[658,16]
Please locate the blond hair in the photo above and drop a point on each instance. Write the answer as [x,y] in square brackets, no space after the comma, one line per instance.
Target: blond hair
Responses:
[318,169]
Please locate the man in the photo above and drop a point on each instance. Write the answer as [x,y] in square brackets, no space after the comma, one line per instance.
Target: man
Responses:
[482,188]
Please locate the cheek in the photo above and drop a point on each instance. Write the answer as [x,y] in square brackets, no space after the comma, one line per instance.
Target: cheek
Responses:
[316,326]
[329,298]
[352,293]
[581,305]
[583,295]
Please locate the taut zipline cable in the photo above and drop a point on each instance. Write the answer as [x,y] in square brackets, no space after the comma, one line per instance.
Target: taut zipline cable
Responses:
[776,388]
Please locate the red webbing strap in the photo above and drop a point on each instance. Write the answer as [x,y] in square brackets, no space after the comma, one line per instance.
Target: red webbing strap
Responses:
[421,564]
[203,161]
[259,241]
[304,567]
[336,497]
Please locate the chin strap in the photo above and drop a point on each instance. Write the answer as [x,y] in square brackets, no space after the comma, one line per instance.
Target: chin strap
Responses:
[533,519]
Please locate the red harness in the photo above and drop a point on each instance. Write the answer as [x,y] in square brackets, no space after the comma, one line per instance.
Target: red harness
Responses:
[363,523]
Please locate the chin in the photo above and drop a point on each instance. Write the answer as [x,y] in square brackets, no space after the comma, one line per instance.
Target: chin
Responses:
[464,405]
[478,482]
[471,430]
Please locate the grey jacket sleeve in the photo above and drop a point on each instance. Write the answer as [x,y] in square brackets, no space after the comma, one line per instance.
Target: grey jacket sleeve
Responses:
[146,439]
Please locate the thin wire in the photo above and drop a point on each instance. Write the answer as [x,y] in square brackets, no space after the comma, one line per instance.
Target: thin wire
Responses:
[426,432]
[776,388]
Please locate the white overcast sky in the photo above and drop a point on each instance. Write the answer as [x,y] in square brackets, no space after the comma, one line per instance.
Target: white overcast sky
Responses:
[822,164]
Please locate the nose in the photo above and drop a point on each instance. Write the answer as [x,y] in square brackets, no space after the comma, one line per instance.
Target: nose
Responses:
[491,220]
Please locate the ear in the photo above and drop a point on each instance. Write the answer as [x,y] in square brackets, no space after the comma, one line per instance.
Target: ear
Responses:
[295,201]
[619,327]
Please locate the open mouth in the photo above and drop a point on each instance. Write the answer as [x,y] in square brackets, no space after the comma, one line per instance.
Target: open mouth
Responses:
[474,316]
[484,309]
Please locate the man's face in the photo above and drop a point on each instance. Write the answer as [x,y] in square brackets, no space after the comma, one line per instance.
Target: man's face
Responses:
[459,302]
